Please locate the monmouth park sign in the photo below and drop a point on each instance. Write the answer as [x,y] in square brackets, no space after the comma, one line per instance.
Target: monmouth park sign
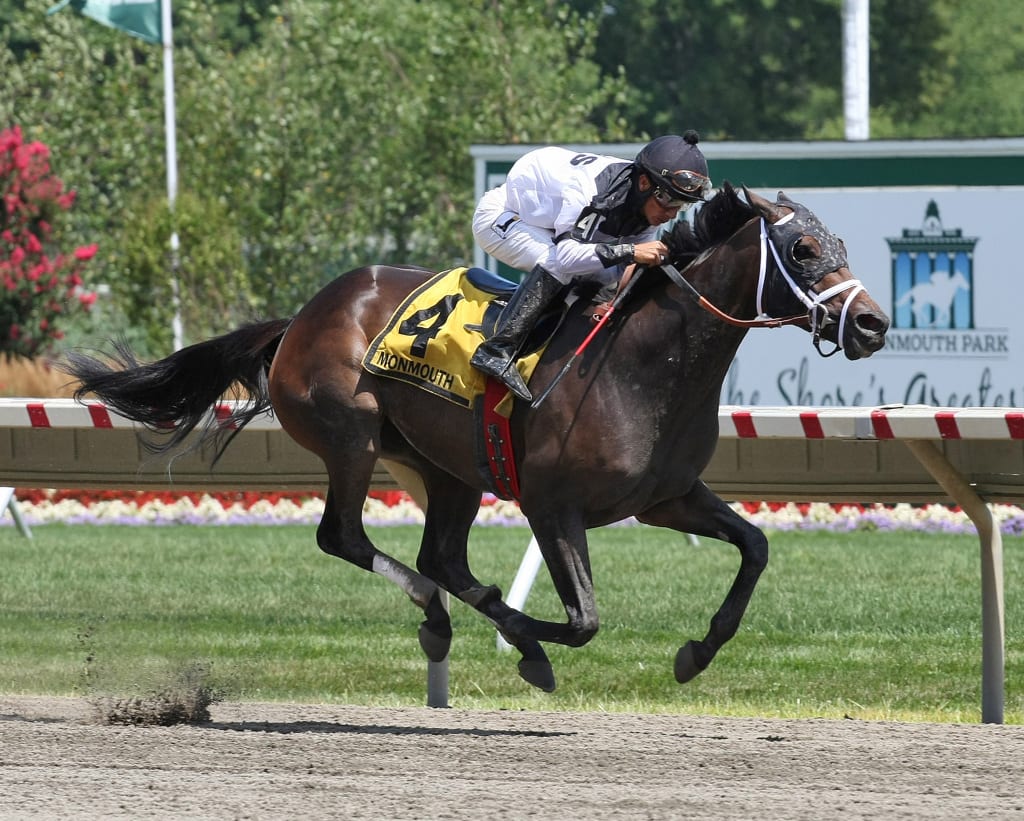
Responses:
[930,228]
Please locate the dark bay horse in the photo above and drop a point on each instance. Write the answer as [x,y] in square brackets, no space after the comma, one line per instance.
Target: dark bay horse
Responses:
[627,432]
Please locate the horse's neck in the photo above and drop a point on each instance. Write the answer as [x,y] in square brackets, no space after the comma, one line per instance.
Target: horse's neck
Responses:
[727,275]
[700,345]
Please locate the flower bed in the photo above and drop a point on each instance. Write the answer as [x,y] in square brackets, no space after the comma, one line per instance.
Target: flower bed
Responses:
[40,507]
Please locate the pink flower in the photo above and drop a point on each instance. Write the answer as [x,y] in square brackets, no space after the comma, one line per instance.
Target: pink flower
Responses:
[87,298]
[86,252]
[32,244]
[10,138]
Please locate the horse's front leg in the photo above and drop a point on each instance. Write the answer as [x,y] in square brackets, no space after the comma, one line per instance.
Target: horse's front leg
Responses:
[702,513]
[563,544]
[564,547]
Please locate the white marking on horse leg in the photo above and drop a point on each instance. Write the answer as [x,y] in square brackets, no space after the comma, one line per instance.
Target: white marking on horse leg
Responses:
[418,587]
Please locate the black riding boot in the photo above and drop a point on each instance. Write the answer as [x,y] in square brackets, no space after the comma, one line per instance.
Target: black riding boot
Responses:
[496,356]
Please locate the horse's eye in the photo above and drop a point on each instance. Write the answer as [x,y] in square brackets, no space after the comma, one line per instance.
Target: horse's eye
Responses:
[804,250]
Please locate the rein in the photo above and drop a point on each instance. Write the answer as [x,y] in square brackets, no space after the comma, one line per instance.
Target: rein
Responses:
[817,314]
[711,308]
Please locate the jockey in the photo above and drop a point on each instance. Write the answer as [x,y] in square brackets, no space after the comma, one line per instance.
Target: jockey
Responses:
[566,215]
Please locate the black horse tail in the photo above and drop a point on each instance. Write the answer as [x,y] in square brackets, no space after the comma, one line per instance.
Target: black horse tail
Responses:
[175,395]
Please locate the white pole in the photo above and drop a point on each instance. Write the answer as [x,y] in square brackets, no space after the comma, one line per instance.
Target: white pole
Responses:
[856,88]
[525,576]
[172,163]
[9,502]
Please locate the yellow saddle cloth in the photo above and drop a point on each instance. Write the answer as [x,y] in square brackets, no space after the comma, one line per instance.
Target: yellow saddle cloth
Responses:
[431,336]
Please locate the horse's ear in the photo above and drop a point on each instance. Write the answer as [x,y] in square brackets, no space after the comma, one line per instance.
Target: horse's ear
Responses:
[769,210]
[783,198]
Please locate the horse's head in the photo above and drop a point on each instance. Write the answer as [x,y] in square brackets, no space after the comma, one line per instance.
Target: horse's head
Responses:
[807,266]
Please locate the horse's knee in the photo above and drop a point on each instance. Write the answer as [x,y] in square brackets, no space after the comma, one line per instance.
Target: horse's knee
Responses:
[756,554]
[754,551]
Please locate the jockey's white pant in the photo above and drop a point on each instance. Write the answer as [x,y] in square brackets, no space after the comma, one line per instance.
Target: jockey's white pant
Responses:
[507,238]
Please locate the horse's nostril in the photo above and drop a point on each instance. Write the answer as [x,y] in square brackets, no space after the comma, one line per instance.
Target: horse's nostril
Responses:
[872,323]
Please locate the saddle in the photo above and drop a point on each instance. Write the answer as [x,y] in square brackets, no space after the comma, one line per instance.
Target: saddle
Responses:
[502,289]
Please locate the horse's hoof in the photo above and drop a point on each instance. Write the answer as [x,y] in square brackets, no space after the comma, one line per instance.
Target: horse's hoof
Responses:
[687,665]
[436,647]
[538,673]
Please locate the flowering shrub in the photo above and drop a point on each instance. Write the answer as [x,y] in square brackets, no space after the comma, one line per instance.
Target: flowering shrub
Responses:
[37,289]
[396,508]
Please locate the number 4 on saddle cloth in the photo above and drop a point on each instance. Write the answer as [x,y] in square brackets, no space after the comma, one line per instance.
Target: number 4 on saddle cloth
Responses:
[428,342]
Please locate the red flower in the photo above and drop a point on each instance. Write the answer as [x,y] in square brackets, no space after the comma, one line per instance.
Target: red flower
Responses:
[38,290]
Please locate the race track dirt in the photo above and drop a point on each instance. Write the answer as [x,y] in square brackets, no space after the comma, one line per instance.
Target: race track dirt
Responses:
[285,761]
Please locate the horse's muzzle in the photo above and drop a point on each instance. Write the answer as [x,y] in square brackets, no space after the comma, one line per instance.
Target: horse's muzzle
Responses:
[864,333]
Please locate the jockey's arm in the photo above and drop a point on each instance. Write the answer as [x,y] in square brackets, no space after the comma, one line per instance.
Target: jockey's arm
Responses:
[570,259]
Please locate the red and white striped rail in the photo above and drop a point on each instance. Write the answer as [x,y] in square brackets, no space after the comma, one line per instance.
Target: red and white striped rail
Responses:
[68,413]
[888,422]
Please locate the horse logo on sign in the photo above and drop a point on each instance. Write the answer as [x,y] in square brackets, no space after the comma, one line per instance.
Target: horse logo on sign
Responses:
[932,276]
[932,302]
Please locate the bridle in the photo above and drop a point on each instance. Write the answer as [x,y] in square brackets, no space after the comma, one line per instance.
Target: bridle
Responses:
[787,232]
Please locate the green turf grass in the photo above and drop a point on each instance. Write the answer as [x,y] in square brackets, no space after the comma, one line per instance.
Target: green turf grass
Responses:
[867,625]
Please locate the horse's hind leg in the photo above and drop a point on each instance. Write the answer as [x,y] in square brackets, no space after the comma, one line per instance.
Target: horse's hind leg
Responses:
[341,534]
[702,513]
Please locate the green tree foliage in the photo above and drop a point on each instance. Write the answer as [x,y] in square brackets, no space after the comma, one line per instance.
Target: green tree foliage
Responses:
[759,69]
[974,81]
[313,135]
[350,128]
[764,70]
[318,135]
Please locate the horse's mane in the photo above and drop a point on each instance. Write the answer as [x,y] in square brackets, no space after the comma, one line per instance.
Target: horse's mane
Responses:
[717,220]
